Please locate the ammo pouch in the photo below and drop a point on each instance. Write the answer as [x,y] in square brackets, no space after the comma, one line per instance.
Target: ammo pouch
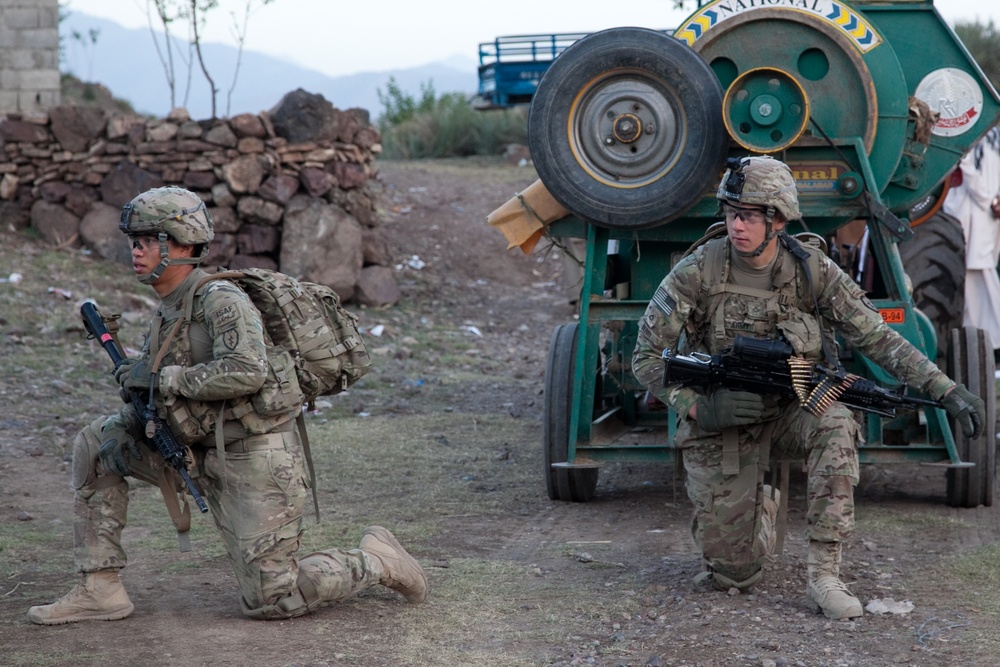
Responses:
[280,393]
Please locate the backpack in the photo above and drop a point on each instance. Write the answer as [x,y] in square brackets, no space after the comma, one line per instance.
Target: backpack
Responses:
[307,320]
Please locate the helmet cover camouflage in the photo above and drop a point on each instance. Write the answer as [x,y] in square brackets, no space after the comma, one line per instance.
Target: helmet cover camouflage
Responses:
[174,211]
[763,181]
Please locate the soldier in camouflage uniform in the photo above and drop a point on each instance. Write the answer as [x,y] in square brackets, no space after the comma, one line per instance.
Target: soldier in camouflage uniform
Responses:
[748,282]
[215,370]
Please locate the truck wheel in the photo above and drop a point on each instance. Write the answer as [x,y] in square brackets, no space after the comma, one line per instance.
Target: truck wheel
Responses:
[935,261]
[625,128]
[970,361]
[576,484]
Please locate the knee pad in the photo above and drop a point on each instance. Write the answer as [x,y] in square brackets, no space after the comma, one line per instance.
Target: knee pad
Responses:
[85,448]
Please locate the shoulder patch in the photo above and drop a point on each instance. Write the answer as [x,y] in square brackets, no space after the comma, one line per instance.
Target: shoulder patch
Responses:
[663,301]
[225,315]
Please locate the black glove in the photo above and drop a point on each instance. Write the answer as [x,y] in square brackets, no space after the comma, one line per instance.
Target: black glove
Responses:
[115,442]
[967,409]
[725,408]
[133,374]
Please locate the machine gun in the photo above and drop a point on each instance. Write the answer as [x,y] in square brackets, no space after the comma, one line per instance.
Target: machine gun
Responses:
[156,430]
[770,366]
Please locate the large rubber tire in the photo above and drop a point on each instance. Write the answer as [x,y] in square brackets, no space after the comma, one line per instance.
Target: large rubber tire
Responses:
[935,261]
[970,361]
[625,128]
[576,484]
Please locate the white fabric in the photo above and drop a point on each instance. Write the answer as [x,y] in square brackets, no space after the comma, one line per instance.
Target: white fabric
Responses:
[982,302]
[970,203]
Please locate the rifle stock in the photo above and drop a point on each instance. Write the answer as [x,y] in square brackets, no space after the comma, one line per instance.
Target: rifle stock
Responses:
[769,367]
[157,431]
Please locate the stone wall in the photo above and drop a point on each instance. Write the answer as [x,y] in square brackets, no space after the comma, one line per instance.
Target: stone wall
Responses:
[29,55]
[291,189]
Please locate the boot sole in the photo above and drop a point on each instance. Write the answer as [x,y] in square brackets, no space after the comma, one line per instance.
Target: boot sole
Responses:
[385,537]
[112,616]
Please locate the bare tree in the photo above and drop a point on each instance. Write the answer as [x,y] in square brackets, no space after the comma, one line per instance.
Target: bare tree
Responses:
[239,33]
[194,13]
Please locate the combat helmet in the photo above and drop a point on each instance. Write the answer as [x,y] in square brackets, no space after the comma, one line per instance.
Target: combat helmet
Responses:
[761,181]
[169,213]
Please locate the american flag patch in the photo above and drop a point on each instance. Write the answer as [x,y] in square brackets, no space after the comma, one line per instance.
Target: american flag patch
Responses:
[663,301]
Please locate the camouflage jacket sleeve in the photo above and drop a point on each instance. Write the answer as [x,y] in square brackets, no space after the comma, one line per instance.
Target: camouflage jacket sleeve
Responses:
[666,315]
[239,359]
[844,303]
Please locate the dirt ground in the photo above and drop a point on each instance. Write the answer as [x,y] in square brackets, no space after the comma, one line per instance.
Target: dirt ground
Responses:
[451,423]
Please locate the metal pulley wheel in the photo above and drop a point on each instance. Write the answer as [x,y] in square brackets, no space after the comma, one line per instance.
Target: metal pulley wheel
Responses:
[765,110]
[624,128]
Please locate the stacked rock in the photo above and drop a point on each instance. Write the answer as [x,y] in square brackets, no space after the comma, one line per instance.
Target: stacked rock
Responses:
[293,188]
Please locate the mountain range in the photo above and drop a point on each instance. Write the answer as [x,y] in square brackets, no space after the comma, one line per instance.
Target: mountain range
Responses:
[126,61]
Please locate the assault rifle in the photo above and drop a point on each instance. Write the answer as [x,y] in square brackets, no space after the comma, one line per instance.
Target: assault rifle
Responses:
[156,431]
[771,367]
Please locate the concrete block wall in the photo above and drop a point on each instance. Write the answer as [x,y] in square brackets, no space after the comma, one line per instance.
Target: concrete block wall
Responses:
[29,55]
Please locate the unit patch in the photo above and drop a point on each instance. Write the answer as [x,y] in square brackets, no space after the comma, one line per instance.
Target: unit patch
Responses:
[231,338]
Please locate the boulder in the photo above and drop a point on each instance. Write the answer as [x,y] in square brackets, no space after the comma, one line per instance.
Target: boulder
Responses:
[99,231]
[377,287]
[125,182]
[17,131]
[259,211]
[258,239]
[279,188]
[76,127]
[248,125]
[224,219]
[55,224]
[221,251]
[245,173]
[302,116]
[322,243]
[376,248]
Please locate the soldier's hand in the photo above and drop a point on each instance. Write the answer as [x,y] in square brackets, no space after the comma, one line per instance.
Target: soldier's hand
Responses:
[133,374]
[725,408]
[115,443]
[967,409]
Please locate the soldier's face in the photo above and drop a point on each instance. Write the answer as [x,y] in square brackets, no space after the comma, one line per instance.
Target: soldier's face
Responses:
[146,254]
[747,225]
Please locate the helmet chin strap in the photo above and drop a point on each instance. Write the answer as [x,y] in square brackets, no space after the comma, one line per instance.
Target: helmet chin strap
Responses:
[166,260]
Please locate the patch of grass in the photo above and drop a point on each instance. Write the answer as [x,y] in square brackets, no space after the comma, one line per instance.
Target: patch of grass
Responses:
[52,656]
[979,572]
[874,519]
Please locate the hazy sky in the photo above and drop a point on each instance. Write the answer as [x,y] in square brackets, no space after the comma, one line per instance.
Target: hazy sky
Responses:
[337,37]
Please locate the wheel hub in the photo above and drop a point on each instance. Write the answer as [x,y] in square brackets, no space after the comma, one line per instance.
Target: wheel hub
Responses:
[624,131]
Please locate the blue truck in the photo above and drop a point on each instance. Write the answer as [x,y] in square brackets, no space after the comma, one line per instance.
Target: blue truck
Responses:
[510,67]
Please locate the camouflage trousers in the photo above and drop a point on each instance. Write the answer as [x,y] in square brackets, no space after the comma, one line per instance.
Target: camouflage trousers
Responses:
[728,507]
[256,499]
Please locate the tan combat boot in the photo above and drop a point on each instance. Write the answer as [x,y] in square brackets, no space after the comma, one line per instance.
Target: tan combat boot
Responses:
[825,591]
[400,571]
[99,597]
[769,520]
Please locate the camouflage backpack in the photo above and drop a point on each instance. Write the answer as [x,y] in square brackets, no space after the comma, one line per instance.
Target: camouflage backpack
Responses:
[307,320]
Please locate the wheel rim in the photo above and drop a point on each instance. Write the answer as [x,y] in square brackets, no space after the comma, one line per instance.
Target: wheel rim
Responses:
[624,130]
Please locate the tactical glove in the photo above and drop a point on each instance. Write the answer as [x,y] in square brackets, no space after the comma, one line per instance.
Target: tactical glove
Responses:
[115,443]
[133,374]
[967,409]
[725,408]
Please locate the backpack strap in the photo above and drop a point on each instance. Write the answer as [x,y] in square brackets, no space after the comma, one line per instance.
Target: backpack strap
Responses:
[300,422]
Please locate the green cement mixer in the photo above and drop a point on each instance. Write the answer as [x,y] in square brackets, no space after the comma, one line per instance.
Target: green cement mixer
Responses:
[872,105]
